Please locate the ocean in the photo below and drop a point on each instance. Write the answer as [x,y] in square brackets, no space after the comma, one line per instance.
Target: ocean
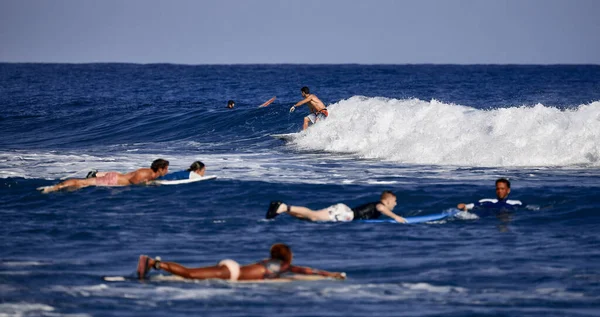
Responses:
[436,135]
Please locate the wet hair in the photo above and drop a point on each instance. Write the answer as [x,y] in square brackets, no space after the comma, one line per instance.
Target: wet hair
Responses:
[305,90]
[503,180]
[196,166]
[387,193]
[280,251]
[158,164]
[230,103]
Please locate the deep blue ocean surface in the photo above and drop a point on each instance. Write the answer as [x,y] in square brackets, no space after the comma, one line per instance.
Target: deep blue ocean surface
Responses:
[435,135]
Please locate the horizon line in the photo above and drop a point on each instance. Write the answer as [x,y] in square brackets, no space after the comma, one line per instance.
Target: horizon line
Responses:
[310,64]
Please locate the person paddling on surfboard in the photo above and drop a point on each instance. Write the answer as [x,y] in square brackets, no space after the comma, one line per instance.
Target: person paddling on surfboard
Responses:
[158,168]
[340,212]
[196,170]
[277,266]
[317,108]
[500,203]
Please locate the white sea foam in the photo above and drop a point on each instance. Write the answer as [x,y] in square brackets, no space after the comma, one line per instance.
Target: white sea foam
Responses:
[158,293]
[421,132]
[261,166]
[464,215]
[22,263]
[369,292]
[32,309]
[268,166]
[23,309]
[400,140]
[426,287]
[383,292]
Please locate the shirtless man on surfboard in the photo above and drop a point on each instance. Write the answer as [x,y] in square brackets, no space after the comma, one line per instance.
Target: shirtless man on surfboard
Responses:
[158,168]
[277,266]
[317,108]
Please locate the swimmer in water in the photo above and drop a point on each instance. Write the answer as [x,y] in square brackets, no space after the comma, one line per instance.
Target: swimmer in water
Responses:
[231,103]
[500,203]
[277,266]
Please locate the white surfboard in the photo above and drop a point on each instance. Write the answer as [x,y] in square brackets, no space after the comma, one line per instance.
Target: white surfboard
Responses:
[44,189]
[286,136]
[175,278]
[184,181]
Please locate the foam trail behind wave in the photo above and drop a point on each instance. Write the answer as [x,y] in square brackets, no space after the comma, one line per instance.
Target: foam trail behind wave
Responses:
[420,132]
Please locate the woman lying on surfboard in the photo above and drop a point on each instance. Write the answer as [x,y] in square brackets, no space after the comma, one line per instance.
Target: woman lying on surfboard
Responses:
[277,266]
[196,170]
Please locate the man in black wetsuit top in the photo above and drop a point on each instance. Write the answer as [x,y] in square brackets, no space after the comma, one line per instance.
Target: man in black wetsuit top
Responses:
[340,212]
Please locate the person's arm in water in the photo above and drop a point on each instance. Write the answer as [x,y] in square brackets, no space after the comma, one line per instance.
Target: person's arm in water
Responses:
[490,203]
[268,102]
[384,210]
[467,207]
[310,271]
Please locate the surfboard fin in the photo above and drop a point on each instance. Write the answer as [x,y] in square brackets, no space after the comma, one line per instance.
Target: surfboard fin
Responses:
[272,212]
[143,267]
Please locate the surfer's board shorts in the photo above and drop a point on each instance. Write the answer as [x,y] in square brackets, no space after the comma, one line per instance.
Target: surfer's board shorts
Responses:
[110,179]
[340,213]
[321,115]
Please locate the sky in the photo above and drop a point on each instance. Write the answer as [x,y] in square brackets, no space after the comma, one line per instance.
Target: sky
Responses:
[306,31]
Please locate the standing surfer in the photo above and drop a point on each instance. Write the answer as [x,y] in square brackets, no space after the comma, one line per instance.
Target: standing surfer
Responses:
[317,108]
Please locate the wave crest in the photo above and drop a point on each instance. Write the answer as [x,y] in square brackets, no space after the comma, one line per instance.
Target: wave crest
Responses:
[420,132]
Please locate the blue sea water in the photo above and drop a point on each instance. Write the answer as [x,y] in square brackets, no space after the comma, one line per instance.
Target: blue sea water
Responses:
[437,135]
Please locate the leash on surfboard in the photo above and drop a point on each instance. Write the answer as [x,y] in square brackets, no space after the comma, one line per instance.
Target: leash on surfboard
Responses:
[75,173]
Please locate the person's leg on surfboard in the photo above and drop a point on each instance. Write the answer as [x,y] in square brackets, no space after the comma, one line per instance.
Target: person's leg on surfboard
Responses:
[306,121]
[227,269]
[74,183]
[277,208]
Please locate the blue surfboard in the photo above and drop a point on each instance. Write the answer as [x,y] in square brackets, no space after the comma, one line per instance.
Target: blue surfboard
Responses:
[418,219]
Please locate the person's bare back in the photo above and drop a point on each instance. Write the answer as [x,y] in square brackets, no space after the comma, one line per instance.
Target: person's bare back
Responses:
[132,178]
[142,175]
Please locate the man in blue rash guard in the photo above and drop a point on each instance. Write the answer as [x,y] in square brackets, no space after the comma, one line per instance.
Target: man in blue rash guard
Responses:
[196,170]
[500,203]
